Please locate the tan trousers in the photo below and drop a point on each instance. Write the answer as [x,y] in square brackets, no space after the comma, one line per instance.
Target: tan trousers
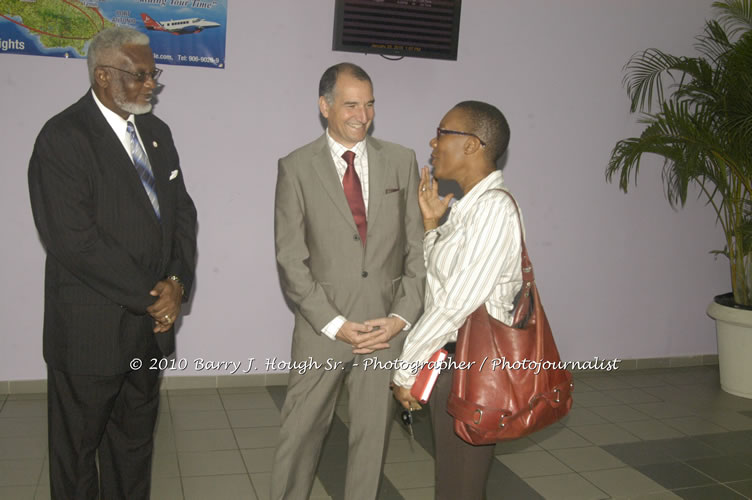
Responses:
[306,418]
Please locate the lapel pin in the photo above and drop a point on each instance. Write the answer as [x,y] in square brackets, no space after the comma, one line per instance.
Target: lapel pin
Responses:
[154,143]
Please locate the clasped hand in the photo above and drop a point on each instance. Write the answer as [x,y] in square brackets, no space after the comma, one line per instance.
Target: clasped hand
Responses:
[166,308]
[371,335]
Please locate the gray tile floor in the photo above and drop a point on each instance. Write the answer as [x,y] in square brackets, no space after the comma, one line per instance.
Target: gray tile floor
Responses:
[650,434]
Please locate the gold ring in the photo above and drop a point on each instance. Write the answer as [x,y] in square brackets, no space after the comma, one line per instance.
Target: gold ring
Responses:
[167,317]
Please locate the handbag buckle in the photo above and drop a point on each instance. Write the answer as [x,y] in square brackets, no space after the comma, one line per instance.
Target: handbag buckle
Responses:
[558,393]
[501,422]
[477,416]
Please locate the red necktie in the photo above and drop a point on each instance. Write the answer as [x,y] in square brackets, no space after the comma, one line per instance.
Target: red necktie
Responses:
[354,195]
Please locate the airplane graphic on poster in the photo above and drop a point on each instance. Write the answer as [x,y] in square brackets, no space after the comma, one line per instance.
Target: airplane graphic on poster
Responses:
[178,26]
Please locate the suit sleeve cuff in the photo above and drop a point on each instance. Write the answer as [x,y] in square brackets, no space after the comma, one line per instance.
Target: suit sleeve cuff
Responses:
[331,328]
[407,323]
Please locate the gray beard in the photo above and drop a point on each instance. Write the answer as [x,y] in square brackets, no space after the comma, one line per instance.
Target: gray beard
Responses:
[132,107]
[118,95]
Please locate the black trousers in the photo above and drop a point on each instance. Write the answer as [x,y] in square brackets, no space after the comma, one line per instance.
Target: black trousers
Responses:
[461,468]
[112,415]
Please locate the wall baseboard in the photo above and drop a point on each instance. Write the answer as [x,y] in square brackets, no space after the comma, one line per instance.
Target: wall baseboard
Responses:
[268,379]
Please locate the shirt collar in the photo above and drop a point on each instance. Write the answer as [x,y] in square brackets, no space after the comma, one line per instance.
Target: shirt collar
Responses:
[337,149]
[494,180]
[116,121]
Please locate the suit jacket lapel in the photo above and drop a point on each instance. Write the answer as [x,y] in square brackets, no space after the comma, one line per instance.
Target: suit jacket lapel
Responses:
[152,148]
[109,148]
[377,165]
[324,166]
[159,167]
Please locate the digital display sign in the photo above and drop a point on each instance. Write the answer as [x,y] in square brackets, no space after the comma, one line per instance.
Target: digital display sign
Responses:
[413,28]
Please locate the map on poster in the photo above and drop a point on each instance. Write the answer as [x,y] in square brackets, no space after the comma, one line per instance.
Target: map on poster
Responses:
[185,32]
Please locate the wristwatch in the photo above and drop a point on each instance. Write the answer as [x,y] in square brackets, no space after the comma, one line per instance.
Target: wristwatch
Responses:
[177,280]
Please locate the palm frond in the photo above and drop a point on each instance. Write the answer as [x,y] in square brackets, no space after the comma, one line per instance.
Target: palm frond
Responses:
[736,15]
[714,43]
[702,128]
[644,73]
[677,135]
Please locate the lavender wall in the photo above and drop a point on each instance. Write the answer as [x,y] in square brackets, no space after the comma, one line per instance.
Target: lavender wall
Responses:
[619,275]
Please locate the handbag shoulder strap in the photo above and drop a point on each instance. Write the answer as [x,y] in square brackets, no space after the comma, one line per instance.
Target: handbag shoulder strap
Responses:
[527,265]
[522,307]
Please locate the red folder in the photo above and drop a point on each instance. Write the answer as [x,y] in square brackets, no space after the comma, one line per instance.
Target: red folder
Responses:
[426,379]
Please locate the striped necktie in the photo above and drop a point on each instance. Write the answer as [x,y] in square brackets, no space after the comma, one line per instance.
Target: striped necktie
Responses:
[141,162]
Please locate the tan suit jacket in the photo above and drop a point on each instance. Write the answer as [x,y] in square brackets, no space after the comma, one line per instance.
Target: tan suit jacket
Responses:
[324,269]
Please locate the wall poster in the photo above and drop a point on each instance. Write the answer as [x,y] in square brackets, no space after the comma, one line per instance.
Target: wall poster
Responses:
[185,32]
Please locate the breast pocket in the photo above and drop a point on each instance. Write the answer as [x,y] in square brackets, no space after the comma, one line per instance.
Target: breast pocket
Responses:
[393,204]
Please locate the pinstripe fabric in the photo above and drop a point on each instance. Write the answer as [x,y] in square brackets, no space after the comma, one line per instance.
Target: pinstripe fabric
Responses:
[105,247]
[473,258]
[106,250]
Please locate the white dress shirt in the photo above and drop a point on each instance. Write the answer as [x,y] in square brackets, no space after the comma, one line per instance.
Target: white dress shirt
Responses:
[119,126]
[473,258]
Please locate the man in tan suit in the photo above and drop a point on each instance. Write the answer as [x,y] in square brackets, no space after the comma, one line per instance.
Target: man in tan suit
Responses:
[348,234]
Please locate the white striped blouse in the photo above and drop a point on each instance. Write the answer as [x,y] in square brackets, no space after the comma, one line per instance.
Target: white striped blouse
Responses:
[471,259]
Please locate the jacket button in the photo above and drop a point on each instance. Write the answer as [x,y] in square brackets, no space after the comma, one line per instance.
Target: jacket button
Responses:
[364,274]
[356,237]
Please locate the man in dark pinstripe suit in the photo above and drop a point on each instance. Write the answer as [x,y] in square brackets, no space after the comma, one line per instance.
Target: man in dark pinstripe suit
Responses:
[119,228]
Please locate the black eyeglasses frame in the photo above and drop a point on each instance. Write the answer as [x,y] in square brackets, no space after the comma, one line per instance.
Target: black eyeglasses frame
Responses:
[139,77]
[445,131]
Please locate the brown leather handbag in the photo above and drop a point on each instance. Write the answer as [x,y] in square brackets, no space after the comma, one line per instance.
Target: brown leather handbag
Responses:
[517,383]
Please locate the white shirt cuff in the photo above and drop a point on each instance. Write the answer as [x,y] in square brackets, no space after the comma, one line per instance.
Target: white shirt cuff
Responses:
[403,378]
[331,328]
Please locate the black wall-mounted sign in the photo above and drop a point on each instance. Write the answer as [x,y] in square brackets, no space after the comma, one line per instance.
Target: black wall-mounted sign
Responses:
[412,28]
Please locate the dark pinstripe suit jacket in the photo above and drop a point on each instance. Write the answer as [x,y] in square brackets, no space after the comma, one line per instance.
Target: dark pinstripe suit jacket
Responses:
[105,247]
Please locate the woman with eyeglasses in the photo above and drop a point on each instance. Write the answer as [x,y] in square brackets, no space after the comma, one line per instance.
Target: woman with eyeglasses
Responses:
[471,259]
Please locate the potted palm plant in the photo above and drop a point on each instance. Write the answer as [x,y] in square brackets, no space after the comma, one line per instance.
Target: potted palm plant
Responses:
[697,113]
